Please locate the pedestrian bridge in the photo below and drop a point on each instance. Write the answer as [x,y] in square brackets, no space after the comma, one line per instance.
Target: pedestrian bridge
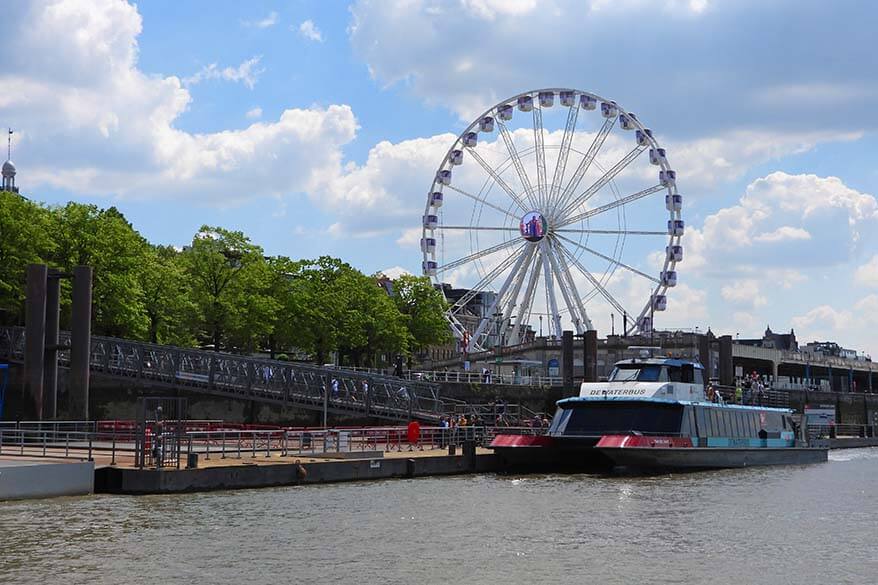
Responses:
[336,390]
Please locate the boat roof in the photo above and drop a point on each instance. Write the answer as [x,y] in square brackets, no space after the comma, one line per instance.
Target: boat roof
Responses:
[676,362]
[581,400]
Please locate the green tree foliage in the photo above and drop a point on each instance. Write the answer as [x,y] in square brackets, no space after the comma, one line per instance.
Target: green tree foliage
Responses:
[25,238]
[167,298]
[423,306]
[220,291]
[215,263]
[104,240]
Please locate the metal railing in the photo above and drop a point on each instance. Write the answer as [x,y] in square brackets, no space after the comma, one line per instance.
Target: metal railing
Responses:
[338,390]
[768,397]
[842,431]
[471,377]
[120,445]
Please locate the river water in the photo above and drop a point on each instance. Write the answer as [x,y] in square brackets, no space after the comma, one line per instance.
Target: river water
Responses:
[778,525]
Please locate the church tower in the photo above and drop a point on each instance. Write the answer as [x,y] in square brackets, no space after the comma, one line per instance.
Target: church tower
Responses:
[9,168]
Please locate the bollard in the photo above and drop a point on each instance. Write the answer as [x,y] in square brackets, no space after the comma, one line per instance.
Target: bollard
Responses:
[452,449]
[409,467]
[192,461]
[469,454]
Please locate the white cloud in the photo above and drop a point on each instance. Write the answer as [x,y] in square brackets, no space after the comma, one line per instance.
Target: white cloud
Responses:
[247,73]
[867,274]
[744,292]
[254,113]
[74,67]
[853,328]
[717,76]
[832,220]
[310,31]
[267,22]
[491,9]
[782,233]
[395,272]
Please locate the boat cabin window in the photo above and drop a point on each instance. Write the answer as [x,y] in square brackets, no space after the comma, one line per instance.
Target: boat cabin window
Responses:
[687,374]
[635,372]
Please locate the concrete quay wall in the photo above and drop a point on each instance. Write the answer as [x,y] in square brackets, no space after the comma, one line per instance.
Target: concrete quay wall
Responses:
[149,481]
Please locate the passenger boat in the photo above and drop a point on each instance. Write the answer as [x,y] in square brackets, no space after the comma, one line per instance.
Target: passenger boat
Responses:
[652,413]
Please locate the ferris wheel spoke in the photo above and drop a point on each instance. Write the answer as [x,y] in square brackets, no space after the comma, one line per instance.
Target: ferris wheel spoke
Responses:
[476,255]
[498,179]
[561,164]
[529,294]
[617,168]
[516,160]
[609,259]
[484,282]
[477,228]
[540,151]
[566,293]
[595,282]
[482,201]
[613,232]
[583,167]
[565,273]
[612,205]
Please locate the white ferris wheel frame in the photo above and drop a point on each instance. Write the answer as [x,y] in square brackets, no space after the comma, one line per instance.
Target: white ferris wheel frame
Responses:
[556,201]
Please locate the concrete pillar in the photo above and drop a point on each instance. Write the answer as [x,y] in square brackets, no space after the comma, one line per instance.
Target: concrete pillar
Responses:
[80,342]
[34,343]
[704,356]
[50,361]
[726,365]
[774,369]
[567,359]
[590,361]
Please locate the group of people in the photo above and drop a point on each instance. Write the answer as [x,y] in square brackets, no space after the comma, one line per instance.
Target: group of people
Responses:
[355,395]
[751,389]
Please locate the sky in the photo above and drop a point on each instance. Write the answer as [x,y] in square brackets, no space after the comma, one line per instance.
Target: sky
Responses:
[318,127]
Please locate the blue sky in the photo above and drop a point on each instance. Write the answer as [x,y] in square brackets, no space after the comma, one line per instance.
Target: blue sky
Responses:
[316,128]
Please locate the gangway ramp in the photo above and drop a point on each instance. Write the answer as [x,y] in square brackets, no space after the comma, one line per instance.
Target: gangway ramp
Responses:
[267,381]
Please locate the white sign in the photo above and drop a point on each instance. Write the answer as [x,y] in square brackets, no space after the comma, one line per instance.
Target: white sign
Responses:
[820,415]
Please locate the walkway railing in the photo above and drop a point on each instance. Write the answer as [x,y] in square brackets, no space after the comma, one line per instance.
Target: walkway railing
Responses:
[334,389]
[471,377]
[121,446]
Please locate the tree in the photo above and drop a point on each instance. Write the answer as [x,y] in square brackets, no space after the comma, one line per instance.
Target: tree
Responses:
[214,261]
[25,229]
[167,301]
[104,240]
[371,324]
[424,307]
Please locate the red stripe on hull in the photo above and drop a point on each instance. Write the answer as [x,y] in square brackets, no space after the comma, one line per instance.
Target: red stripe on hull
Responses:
[521,441]
[643,441]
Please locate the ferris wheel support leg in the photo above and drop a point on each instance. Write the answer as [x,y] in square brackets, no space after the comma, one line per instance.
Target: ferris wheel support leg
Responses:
[483,324]
[550,289]
[564,285]
[530,292]
[511,303]
[565,272]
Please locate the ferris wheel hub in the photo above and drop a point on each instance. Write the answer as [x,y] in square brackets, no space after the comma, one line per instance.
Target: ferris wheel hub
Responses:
[533,226]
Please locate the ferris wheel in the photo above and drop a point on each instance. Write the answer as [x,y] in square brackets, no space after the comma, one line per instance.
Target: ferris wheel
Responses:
[533,211]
